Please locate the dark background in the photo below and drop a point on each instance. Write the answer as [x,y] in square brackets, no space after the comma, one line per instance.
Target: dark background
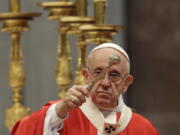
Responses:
[154,45]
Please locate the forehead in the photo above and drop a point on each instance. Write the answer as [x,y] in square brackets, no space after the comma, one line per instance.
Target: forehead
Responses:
[101,57]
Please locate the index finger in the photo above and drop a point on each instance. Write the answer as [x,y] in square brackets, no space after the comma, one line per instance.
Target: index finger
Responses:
[82,89]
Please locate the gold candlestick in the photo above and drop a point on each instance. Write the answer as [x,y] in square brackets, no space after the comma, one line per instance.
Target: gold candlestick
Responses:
[16,81]
[99,11]
[63,69]
[74,22]
[99,32]
[81,61]
[81,8]
[57,10]
[15,22]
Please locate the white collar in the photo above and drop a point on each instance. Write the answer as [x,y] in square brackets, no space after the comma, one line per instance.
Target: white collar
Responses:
[121,104]
[95,116]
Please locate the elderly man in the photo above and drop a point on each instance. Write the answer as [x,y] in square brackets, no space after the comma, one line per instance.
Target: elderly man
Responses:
[98,111]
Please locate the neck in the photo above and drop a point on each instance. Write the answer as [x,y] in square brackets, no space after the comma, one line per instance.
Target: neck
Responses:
[117,107]
[106,107]
[106,112]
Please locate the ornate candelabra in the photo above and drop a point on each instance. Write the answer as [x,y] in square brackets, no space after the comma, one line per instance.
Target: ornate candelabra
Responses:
[74,22]
[16,22]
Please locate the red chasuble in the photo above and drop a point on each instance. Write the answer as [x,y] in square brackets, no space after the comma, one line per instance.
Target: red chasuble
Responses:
[78,124]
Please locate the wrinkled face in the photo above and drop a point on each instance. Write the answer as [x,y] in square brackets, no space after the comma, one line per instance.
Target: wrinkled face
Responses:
[106,91]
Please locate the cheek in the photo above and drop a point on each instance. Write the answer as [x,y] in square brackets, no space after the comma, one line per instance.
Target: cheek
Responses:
[93,96]
[88,78]
[93,92]
[117,90]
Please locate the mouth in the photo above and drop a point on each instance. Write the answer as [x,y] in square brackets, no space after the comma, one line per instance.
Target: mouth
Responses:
[104,94]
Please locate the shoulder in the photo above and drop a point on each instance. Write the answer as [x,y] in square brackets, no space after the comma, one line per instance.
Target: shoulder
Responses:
[39,113]
[142,125]
[140,119]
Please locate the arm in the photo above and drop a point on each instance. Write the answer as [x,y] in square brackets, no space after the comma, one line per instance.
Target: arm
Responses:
[59,111]
[52,123]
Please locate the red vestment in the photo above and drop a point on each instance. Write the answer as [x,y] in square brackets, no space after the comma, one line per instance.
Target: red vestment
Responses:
[78,124]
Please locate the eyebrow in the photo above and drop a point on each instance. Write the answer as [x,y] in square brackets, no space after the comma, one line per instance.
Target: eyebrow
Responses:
[98,68]
[101,68]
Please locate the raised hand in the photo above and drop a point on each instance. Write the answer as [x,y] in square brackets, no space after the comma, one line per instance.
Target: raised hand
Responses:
[74,98]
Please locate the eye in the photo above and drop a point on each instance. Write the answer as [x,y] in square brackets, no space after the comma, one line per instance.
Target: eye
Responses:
[114,74]
[97,71]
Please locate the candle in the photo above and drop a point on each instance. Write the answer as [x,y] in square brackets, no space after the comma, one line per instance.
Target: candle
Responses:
[14,6]
[81,6]
[99,11]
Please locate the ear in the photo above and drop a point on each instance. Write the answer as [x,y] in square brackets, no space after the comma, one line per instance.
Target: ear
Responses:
[85,73]
[128,81]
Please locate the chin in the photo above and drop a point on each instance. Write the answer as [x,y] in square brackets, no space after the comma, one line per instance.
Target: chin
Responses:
[103,102]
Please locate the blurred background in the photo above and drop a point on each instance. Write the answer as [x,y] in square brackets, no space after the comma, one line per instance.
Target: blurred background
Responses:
[151,35]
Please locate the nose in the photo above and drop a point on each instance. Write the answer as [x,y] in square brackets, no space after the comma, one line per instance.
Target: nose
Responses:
[105,83]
